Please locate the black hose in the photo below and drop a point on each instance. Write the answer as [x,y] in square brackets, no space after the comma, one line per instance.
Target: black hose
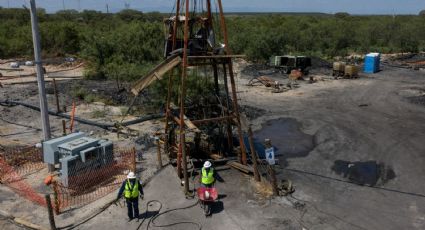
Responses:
[106,126]
[73,226]
[152,219]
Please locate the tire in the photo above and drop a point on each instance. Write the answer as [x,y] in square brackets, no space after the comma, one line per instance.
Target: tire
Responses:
[207,209]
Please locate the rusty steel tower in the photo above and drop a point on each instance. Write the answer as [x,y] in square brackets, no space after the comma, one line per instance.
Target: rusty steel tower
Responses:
[202,113]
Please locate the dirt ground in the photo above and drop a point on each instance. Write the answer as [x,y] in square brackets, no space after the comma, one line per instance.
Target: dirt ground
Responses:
[353,149]
[337,135]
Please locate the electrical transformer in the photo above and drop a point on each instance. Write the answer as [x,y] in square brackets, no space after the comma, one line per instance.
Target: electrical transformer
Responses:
[77,154]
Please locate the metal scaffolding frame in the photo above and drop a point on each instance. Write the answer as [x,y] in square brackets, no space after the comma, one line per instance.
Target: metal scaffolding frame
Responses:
[231,117]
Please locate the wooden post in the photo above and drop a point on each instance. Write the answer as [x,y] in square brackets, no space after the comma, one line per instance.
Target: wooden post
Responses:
[64,127]
[50,212]
[133,160]
[273,180]
[229,122]
[55,90]
[56,197]
[215,70]
[159,154]
[253,156]
[71,127]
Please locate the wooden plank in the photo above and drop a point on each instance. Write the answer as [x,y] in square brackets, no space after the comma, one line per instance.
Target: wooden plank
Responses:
[241,167]
[215,156]
[216,56]
[187,121]
[156,74]
[216,119]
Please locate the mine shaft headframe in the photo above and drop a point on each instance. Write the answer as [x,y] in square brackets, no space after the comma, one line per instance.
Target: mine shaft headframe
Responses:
[202,32]
[191,36]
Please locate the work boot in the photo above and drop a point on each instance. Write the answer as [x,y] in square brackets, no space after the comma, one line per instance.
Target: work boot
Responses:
[129,219]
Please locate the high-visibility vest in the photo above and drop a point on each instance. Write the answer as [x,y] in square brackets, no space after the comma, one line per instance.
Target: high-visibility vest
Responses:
[207,178]
[131,192]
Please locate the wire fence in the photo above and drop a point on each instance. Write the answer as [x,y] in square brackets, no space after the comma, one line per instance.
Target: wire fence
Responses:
[79,183]
[93,180]
[23,160]
[15,165]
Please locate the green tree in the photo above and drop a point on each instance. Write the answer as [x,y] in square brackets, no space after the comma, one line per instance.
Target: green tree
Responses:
[130,15]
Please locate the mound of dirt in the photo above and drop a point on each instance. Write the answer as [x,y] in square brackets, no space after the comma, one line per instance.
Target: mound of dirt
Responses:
[317,62]
[256,69]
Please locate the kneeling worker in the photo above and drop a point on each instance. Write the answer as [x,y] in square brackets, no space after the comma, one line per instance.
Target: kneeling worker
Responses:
[131,189]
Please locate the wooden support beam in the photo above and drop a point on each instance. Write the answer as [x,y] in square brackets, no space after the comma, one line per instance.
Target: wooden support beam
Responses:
[218,56]
[253,155]
[216,119]
[243,168]
[190,125]
[156,74]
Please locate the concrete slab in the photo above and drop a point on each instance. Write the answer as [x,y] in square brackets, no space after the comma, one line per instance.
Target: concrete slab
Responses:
[165,188]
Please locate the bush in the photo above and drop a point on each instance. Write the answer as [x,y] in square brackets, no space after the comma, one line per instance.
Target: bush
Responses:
[79,93]
[123,46]
[99,113]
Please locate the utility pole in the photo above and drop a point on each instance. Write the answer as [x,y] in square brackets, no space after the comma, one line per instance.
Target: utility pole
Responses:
[40,77]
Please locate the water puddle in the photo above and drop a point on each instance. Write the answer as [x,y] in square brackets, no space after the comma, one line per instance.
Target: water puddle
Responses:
[364,173]
[287,138]
[414,95]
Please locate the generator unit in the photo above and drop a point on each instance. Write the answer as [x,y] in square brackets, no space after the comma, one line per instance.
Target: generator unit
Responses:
[77,154]
[288,63]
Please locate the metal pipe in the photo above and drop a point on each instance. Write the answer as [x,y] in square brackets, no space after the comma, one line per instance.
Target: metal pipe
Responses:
[209,14]
[233,84]
[106,126]
[175,25]
[167,110]
[229,124]
[215,70]
[236,111]
[223,27]
[182,99]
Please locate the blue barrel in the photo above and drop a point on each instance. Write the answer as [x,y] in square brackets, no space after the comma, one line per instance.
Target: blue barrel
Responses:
[372,63]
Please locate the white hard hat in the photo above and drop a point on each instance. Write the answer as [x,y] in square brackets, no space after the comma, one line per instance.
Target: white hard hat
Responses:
[207,164]
[131,175]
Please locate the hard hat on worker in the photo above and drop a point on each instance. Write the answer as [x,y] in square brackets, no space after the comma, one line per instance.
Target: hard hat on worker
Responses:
[131,175]
[207,164]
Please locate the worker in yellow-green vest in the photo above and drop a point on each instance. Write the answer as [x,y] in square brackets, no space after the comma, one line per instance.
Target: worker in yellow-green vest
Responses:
[209,175]
[132,189]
